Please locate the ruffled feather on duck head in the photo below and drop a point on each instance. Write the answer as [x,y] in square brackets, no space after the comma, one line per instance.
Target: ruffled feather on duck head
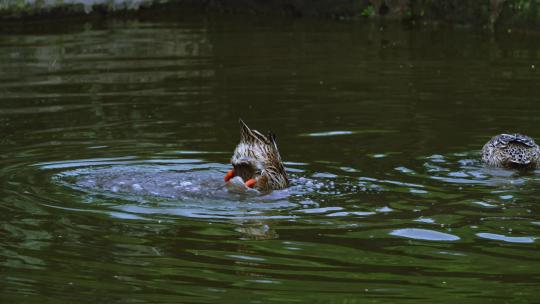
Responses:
[257,161]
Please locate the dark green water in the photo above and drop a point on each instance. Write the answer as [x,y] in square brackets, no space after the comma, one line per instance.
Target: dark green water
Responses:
[115,136]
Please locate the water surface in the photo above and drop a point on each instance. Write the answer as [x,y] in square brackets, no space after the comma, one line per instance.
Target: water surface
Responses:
[116,136]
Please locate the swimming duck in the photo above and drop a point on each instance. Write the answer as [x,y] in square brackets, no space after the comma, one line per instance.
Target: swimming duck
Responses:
[514,151]
[257,161]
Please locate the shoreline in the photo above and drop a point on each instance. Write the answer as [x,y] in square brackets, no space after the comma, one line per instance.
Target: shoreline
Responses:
[489,14]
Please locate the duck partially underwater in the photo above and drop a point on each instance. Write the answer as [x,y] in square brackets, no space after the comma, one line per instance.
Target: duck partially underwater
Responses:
[513,151]
[257,161]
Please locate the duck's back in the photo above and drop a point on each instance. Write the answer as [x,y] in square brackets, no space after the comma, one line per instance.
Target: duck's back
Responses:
[511,150]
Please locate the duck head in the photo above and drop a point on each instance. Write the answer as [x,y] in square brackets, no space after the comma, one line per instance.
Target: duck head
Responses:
[257,161]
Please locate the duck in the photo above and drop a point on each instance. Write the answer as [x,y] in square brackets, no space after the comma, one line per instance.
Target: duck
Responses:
[257,161]
[512,151]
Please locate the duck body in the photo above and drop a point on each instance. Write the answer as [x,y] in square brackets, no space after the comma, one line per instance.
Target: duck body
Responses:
[257,161]
[514,151]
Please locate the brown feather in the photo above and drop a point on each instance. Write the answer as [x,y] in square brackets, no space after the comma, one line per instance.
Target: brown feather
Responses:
[257,156]
[511,151]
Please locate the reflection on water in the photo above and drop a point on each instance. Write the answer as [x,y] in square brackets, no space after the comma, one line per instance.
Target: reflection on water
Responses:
[116,136]
[424,234]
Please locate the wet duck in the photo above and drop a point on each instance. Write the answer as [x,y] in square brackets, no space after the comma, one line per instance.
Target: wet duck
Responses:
[515,151]
[257,161]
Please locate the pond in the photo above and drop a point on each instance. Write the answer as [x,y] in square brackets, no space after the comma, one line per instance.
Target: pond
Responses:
[116,135]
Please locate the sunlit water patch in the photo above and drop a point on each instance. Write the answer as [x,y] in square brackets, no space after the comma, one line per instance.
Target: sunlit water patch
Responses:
[158,188]
[468,169]
[424,234]
[491,202]
[496,203]
[165,188]
[162,189]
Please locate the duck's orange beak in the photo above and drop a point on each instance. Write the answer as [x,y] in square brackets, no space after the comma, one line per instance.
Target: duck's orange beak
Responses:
[229,175]
[250,183]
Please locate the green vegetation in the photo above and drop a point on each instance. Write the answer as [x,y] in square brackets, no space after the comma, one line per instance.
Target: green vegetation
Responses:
[368,11]
[484,13]
[15,9]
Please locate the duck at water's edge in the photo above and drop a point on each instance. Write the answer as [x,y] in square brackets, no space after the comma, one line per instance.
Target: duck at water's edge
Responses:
[257,161]
[515,151]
